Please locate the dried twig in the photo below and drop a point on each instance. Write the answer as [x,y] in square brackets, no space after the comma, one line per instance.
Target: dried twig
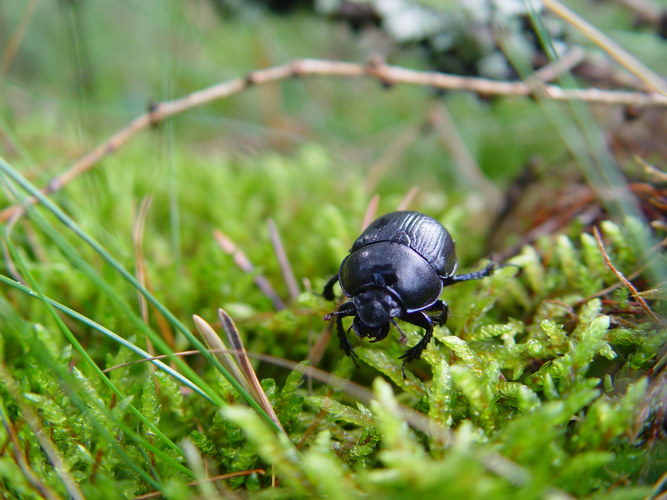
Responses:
[316,351]
[283,261]
[395,150]
[15,40]
[470,171]
[655,173]
[240,369]
[623,279]
[619,284]
[581,207]
[407,199]
[245,365]
[139,258]
[242,260]
[615,51]
[142,276]
[387,74]
[219,477]
[371,210]
[551,71]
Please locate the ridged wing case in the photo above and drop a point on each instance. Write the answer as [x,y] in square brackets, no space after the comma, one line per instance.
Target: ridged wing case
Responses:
[421,233]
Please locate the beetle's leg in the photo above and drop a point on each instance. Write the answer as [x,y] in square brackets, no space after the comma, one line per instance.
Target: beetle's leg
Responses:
[442,311]
[402,339]
[414,353]
[344,342]
[328,292]
[347,309]
[475,275]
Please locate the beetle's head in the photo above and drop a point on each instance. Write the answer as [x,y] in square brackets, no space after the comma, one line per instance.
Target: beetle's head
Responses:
[375,309]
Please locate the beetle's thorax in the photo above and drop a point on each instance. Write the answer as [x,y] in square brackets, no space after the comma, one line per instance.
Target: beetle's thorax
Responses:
[376,307]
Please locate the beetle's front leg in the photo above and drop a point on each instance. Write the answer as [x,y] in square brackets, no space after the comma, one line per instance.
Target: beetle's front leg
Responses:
[414,353]
[328,292]
[347,309]
[344,342]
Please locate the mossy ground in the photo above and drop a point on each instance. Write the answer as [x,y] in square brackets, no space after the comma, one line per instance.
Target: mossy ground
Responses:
[545,382]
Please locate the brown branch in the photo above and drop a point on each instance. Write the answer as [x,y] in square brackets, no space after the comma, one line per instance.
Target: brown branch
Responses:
[243,262]
[388,75]
[623,279]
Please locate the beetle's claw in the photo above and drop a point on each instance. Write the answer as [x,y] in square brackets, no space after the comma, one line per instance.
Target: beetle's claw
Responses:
[350,352]
[354,357]
[409,356]
[414,353]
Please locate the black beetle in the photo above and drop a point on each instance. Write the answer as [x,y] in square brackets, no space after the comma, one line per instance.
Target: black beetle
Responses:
[397,269]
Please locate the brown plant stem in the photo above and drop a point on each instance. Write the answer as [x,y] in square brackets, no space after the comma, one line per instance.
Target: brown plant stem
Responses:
[388,75]
[631,288]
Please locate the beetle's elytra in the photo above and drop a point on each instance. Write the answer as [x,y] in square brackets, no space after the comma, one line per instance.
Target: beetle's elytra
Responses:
[397,269]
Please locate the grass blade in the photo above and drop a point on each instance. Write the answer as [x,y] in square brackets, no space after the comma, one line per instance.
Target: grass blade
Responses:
[15,176]
[244,362]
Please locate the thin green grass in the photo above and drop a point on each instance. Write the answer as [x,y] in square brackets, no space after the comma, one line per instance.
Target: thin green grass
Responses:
[71,225]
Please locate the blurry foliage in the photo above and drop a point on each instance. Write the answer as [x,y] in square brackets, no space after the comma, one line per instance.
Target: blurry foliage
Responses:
[540,371]
[549,378]
[456,37]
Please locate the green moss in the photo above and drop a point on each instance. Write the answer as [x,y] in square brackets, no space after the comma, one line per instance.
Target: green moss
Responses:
[542,384]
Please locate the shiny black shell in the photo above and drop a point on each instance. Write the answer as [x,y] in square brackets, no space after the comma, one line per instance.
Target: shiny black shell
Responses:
[422,233]
[407,253]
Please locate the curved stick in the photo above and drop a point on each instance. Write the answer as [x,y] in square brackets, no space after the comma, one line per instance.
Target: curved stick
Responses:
[387,74]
